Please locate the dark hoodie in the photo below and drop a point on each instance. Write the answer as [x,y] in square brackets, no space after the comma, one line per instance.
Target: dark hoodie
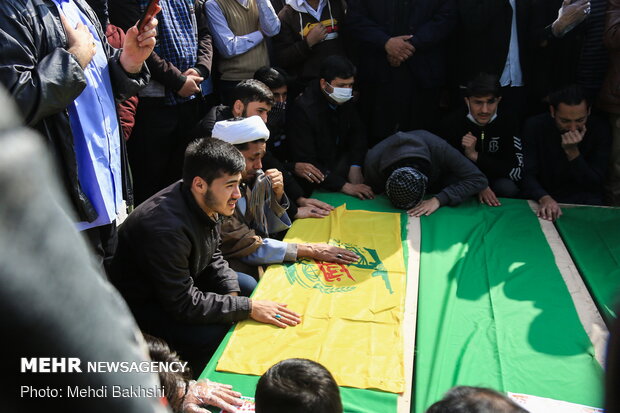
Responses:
[451,176]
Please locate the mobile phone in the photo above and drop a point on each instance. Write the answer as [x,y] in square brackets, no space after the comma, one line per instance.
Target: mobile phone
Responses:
[150,12]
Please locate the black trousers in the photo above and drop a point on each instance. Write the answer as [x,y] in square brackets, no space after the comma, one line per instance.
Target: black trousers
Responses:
[158,141]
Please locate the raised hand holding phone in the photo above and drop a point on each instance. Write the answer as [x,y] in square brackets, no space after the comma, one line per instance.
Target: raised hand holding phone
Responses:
[139,44]
[151,11]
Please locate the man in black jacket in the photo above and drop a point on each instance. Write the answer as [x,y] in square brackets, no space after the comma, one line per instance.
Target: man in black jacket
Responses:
[65,78]
[566,154]
[407,163]
[325,134]
[488,138]
[169,266]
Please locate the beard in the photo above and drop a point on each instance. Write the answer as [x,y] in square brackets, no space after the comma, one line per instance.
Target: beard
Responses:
[212,203]
[209,199]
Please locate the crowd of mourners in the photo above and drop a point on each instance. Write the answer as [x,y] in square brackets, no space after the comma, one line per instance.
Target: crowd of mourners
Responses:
[188,140]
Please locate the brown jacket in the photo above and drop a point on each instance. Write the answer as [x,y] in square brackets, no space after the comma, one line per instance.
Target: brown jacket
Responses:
[609,98]
[240,238]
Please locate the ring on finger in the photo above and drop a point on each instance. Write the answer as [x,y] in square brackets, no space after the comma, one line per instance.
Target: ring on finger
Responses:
[277,316]
[339,256]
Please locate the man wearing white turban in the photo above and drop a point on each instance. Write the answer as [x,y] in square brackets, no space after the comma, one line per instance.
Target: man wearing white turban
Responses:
[249,236]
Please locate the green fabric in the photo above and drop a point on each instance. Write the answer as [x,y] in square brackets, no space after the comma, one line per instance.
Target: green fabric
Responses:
[592,235]
[354,400]
[494,311]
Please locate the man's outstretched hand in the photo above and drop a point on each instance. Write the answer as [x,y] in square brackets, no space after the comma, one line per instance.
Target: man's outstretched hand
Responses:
[269,312]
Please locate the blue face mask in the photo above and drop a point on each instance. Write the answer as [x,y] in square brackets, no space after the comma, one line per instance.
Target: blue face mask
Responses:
[341,95]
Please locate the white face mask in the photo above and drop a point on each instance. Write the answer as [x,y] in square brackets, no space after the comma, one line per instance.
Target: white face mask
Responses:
[471,117]
[341,95]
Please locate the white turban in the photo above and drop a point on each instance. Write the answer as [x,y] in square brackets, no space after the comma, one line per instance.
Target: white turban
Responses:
[238,131]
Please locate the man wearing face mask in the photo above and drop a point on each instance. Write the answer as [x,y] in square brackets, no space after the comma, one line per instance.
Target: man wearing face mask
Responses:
[487,138]
[324,131]
[566,154]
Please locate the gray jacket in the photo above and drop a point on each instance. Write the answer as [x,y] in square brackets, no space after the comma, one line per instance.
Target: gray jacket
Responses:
[452,177]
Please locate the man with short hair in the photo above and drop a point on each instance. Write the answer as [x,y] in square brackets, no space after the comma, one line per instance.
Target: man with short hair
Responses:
[325,135]
[276,80]
[407,163]
[467,399]
[248,237]
[296,385]
[253,98]
[169,266]
[488,138]
[249,98]
[566,154]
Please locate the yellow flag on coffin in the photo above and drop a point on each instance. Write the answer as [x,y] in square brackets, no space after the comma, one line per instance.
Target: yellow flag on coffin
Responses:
[351,315]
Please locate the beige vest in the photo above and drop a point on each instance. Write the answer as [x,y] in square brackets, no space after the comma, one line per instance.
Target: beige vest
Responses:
[242,21]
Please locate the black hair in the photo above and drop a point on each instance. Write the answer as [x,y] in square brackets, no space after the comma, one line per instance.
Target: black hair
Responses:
[246,145]
[297,386]
[571,95]
[483,84]
[170,381]
[337,66]
[209,158]
[467,399]
[272,77]
[252,90]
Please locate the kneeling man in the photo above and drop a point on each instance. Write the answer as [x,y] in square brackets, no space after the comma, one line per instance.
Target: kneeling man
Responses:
[407,165]
[249,237]
[169,266]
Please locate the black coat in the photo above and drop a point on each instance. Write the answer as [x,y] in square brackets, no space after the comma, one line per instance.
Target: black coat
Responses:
[483,36]
[373,23]
[44,78]
[547,169]
[325,137]
[168,253]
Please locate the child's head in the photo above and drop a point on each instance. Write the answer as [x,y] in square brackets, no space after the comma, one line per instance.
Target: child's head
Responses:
[297,386]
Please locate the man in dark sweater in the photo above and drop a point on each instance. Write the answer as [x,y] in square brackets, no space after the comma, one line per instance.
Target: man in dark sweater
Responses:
[407,163]
[488,138]
[566,154]
[326,138]
[169,266]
